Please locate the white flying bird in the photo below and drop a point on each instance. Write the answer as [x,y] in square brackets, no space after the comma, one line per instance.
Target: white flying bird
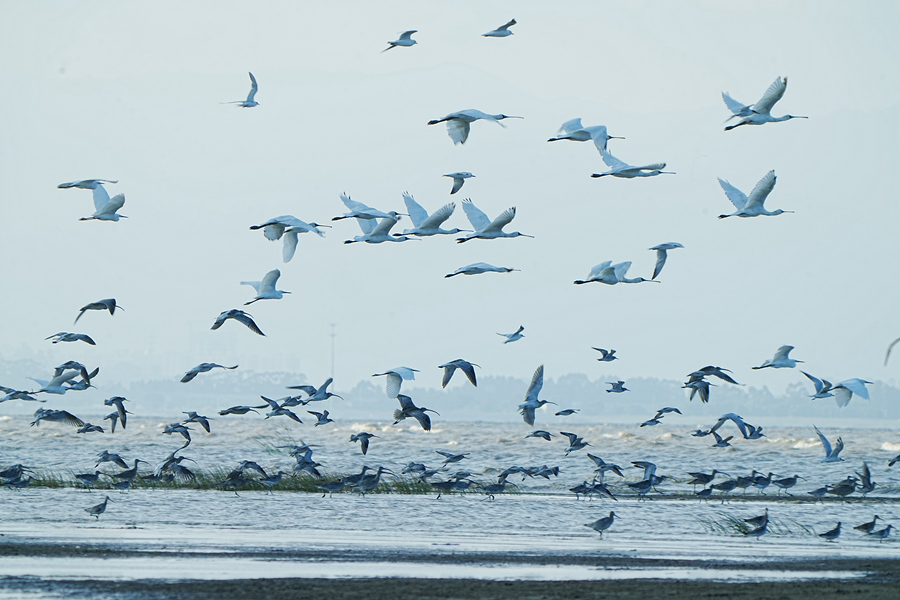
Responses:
[611,274]
[573,130]
[203,368]
[479,268]
[426,224]
[86,184]
[405,40]
[532,403]
[105,206]
[780,360]
[515,336]
[759,113]
[458,122]
[831,454]
[395,379]
[661,256]
[358,210]
[485,228]
[265,289]
[502,31]
[845,390]
[288,227]
[619,168]
[250,102]
[753,205]
[377,234]
[459,178]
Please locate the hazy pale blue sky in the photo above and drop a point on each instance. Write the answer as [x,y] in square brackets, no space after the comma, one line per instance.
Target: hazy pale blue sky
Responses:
[133,91]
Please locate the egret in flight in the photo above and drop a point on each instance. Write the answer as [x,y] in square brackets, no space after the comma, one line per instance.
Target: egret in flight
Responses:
[759,113]
[753,205]
[265,289]
[780,360]
[458,122]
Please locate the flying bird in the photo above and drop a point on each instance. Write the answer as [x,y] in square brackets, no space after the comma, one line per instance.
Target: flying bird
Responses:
[377,234]
[502,31]
[459,178]
[405,40]
[661,256]
[760,113]
[64,336]
[250,102]
[105,304]
[515,336]
[619,168]
[573,130]
[395,379]
[358,210]
[479,268]
[425,224]
[288,227]
[265,289]
[486,229]
[753,205]
[611,274]
[86,184]
[780,360]
[408,409]
[831,454]
[363,439]
[463,365]
[532,403]
[203,368]
[845,390]
[458,122]
[617,387]
[607,355]
[239,316]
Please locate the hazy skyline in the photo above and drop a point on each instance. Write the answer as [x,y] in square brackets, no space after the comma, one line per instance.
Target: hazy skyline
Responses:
[134,93]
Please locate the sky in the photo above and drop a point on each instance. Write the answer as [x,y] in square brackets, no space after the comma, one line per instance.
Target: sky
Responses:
[134,92]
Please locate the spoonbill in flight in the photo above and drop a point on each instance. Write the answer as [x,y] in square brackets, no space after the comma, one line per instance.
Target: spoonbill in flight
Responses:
[759,113]
[265,289]
[486,229]
[780,360]
[753,205]
[426,224]
[479,268]
[573,130]
[458,122]
[619,168]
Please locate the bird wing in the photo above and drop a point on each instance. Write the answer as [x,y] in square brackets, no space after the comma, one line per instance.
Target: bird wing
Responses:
[825,443]
[771,96]
[383,227]
[458,130]
[782,353]
[417,214]
[269,281]
[290,246]
[621,268]
[733,105]
[816,382]
[762,189]
[114,204]
[571,126]
[393,385]
[572,437]
[254,87]
[406,403]
[101,197]
[502,220]
[469,370]
[247,320]
[537,382]
[597,269]
[841,395]
[887,355]
[527,411]
[857,386]
[476,216]
[255,284]
[407,34]
[737,197]
[599,136]
[353,205]
[423,419]
[661,256]
[457,184]
[367,225]
[437,217]
[273,231]
[612,162]
[449,369]
[507,26]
